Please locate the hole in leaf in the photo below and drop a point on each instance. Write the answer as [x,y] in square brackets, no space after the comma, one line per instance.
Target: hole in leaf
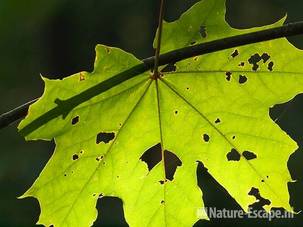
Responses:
[171,67]
[270,66]
[235,53]
[203,31]
[265,57]
[234,137]
[217,121]
[233,155]
[153,156]
[242,64]
[171,164]
[242,79]
[75,120]
[99,158]
[215,195]
[228,76]
[206,138]
[176,112]
[253,60]
[260,200]
[162,202]
[110,210]
[75,157]
[105,137]
[249,155]
[161,181]
[108,50]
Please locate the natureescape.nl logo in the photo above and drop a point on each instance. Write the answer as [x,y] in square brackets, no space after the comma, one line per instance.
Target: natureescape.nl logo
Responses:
[214,213]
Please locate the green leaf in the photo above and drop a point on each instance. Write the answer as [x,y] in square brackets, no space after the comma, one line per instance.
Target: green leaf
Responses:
[212,108]
[98,150]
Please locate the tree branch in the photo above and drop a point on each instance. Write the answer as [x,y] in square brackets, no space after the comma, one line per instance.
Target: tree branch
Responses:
[164,59]
[15,114]
[159,38]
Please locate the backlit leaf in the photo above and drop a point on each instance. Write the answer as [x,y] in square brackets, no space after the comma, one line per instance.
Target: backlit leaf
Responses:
[142,140]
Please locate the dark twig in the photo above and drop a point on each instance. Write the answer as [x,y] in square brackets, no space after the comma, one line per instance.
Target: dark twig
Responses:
[159,37]
[15,114]
[173,56]
[287,30]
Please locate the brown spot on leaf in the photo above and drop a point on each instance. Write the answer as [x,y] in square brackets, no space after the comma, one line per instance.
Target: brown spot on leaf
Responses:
[82,78]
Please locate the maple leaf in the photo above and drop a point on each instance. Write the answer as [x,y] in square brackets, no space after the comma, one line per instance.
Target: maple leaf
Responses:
[212,109]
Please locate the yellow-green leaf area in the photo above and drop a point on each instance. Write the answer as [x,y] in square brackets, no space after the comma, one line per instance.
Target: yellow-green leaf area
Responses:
[212,109]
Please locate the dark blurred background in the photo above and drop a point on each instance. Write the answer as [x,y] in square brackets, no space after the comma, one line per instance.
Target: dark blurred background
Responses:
[57,38]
